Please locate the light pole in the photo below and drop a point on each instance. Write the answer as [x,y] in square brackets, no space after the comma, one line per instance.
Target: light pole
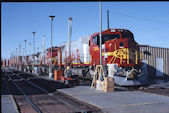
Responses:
[25,54]
[13,58]
[43,49]
[20,58]
[23,51]
[33,51]
[23,59]
[16,51]
[29,57]
[37,49]
[29,48]
[50,67]
[16,57]
[20,49]
[25,47]
[101,37]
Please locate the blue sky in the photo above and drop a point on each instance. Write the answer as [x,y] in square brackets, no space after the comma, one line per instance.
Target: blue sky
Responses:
[149,22]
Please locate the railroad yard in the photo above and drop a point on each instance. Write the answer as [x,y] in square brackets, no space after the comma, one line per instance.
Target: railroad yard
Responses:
[31,95]
[90,68]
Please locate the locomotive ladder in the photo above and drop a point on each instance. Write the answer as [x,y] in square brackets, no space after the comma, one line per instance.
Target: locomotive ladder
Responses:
[99,70]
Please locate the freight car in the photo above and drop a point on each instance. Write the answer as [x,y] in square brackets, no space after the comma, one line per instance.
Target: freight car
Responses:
[36,63]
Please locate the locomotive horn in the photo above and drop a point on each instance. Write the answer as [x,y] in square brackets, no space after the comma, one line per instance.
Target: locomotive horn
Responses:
[107,19]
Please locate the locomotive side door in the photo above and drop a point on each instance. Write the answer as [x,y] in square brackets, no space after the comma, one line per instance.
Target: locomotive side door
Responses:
[94,49]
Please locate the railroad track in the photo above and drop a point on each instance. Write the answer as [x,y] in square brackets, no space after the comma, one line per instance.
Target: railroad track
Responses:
[41,100]
[160,90]
[49,100]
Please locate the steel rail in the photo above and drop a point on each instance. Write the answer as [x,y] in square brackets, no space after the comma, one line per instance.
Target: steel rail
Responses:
[61,100]
[27,98]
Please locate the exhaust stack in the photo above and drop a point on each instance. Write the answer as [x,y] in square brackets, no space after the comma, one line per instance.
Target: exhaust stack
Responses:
[69,35]
[107,19]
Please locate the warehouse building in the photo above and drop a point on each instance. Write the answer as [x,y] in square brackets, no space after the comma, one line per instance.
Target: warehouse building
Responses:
[156,61]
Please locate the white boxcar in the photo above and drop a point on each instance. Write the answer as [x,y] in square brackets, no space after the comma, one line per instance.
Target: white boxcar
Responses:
[79,48]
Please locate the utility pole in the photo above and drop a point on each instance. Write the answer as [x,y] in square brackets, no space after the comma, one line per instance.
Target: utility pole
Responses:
[33,51]
[50,66]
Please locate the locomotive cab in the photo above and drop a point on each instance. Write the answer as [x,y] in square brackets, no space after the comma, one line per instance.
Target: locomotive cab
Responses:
[117,43]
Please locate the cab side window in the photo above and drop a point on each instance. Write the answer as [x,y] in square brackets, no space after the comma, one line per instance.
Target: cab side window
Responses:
[94,40]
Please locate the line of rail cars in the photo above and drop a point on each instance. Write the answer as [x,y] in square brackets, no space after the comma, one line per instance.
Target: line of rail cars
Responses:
[38,62]
[5,62]
[120,53]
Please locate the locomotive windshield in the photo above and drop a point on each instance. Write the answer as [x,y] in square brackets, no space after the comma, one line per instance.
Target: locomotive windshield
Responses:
[105,37]
[127,34]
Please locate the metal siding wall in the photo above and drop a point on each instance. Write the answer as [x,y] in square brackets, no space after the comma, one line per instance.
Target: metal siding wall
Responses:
[164,61]
[167,61]
[152,56]
[157,56]
[152,62]
[165,51]
[149,61]
[156,53]
[148,56]
[162,50]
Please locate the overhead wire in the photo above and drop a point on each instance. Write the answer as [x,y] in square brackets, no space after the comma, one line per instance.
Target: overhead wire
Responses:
[142,18]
